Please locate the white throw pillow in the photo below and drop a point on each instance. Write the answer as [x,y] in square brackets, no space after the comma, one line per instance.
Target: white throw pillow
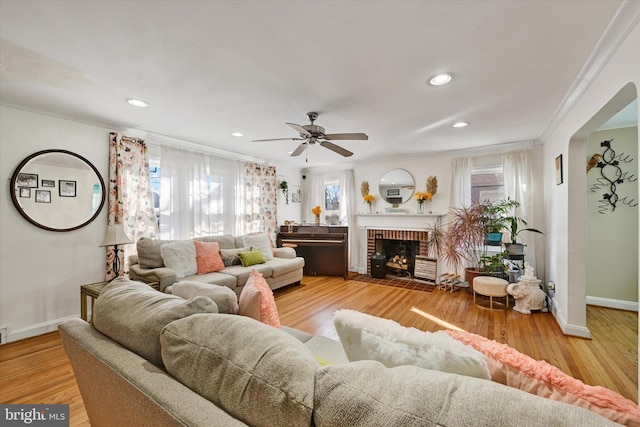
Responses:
[366,337]
[261,242]
[180,256]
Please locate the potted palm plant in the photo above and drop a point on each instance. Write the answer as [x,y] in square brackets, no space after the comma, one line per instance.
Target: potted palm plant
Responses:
[513,247]
[495,219]
[462,244]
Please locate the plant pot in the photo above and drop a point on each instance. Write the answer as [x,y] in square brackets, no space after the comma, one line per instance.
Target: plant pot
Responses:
[470,273]
[493,239]
[514,248]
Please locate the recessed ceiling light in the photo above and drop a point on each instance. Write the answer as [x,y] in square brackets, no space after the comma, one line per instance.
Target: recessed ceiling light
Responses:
[137,102]
[460,124]
[238,134]
[440,79]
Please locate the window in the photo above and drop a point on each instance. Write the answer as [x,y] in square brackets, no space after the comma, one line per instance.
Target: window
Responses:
[154,175]
[332,202]
[487,183]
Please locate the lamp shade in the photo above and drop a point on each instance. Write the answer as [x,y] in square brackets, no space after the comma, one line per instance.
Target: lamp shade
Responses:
[115,235]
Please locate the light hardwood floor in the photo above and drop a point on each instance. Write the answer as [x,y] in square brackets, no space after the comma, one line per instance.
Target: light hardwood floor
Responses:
[36,370]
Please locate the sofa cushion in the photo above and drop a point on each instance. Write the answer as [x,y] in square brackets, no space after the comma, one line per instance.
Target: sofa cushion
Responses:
[282,266]
[208,258]
[149,252]
[230,256]
[369,337]
[258,374]
[367,394]
[251,258]
[225,298]
[260,242]
[180,256]
[133,314]
[256,301]
[216,278]
[225,241]
[242,273]
[510,367]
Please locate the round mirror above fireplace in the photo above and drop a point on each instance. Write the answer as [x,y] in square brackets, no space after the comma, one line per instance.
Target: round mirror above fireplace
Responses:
[57,190]
[396,186]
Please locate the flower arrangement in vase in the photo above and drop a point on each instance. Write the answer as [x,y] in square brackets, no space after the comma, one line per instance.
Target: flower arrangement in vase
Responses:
[316,211]
[421,197]
[368,199]
[432,189]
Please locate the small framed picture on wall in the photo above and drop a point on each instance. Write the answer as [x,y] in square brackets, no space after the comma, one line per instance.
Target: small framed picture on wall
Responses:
[43,196]
[66,188]
[559,170]
[25,192]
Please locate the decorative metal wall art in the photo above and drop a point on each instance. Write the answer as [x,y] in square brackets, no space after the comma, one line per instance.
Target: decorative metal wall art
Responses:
[611,175]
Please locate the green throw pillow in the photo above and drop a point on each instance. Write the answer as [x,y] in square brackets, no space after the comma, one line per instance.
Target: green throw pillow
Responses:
[251,258]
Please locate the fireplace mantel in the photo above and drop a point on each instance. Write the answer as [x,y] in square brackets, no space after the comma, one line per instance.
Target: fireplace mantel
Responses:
[397,221]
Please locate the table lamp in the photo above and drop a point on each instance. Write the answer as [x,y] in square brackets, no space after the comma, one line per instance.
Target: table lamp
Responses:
[115,236]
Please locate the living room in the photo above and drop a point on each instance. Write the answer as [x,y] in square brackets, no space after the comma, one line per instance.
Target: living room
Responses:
[41,271]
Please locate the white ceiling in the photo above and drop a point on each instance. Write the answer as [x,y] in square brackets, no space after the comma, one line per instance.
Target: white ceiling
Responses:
[210,68]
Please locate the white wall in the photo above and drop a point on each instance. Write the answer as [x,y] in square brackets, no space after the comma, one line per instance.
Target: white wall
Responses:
[563,249]
[41,271]
[612,236]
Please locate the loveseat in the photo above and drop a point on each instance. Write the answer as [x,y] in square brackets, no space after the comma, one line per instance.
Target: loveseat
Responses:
[152,359]
[281,266]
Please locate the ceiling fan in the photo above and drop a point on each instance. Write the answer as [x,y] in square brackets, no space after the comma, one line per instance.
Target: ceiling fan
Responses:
[310,134]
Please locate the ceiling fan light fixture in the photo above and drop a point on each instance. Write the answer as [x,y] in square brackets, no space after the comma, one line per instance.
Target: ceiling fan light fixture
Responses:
[137,102]
[460,124]
[238,134]
[440,79]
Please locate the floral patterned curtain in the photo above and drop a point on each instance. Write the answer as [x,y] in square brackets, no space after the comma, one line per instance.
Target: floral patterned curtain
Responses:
[259,200]
[130,198]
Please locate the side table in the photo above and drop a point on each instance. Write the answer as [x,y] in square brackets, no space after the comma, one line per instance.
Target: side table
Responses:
[92,291]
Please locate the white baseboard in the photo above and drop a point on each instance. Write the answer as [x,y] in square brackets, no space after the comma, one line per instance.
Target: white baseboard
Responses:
[613,303]
[568,329]
[37,329]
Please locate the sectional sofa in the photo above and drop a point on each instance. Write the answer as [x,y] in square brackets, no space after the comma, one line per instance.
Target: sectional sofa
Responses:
[154,359]
[280,269]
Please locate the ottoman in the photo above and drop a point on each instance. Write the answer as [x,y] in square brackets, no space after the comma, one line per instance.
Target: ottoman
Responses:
[491,287]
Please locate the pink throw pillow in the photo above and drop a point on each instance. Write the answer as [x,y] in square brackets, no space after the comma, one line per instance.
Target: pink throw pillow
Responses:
[256,300]
[512,368]
[208,257]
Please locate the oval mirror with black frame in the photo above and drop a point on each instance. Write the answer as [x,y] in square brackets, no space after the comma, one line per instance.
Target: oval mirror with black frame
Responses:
[57,190]
[396,186]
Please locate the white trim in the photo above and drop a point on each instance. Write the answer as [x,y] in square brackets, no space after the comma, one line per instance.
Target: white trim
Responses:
[567,329]
[38,329]
[613,303]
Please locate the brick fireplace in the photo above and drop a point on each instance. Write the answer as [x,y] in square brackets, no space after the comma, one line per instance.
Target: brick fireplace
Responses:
[409,235]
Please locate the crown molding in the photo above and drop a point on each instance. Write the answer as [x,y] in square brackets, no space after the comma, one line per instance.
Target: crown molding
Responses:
[624,21]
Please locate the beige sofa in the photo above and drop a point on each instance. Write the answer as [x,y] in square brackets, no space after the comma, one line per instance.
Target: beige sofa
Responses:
[147,266]
[153,359]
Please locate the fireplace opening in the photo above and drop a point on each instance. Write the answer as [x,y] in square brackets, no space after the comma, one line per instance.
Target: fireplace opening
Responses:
[400,256]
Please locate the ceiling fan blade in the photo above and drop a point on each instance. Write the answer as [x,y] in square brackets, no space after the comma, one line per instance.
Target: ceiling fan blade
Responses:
[300,129]
[299,149]
[351,136]
[278,139]
[333,147]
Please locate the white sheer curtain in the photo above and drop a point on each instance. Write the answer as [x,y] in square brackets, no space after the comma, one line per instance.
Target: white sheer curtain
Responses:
[460,194]
[313,190]
[518,185]
[197,194]
[347,209]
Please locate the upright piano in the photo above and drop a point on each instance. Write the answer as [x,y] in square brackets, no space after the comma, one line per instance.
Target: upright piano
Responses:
[325,249]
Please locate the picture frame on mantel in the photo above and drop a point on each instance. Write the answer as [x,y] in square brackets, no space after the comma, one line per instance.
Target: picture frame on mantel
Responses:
[559,170]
